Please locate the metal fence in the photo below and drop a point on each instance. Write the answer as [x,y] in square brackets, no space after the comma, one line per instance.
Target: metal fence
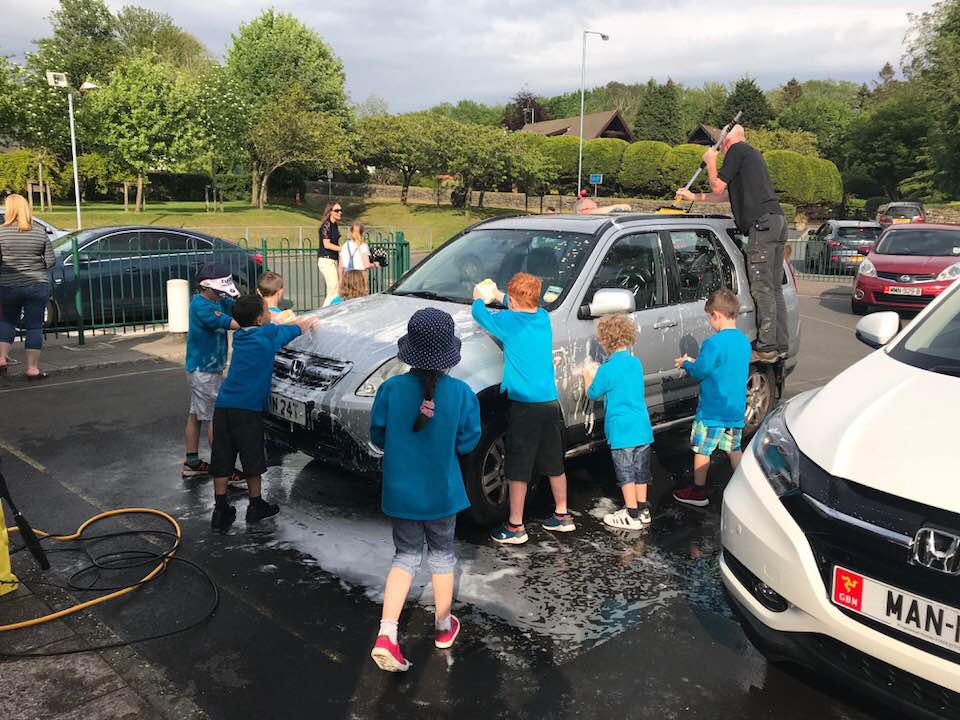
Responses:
[121,285]
[814,260]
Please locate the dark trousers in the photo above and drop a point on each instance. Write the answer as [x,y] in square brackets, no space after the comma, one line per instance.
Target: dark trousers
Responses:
[765,265]
[31,300]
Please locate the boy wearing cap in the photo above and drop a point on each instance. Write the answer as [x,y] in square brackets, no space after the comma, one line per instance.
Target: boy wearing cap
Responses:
[210,319]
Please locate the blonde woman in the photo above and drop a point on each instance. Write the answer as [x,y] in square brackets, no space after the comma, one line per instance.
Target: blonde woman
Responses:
[26,257]
[328,254]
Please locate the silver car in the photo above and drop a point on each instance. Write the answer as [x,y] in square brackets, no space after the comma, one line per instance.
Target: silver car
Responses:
[658,268]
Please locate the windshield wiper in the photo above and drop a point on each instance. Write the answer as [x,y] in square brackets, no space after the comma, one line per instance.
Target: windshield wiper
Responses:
[946,369]
[425,294]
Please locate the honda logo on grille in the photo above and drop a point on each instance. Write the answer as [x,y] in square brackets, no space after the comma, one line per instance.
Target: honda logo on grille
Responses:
[297,369]
[937,550]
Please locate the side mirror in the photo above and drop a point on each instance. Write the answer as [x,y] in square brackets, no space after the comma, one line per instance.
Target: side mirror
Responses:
[877,329]
[610,301]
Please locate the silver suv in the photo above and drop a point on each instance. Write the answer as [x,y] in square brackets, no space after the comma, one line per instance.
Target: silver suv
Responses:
[658,268]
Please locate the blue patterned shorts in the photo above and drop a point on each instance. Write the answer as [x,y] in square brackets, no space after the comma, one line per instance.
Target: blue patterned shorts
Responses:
[704,440]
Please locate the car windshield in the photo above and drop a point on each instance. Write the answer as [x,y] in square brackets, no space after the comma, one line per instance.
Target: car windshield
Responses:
[62,245]
[858,233]
[934,344]
[920,242]
[452,272]
[904,211]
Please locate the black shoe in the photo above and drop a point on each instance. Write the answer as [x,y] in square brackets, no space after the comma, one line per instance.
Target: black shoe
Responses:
[223,517]
[257,511]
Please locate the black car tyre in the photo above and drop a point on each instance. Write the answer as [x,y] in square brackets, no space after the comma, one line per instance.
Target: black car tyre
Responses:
[484,475]
[51,314]
[761,397]
[859,308]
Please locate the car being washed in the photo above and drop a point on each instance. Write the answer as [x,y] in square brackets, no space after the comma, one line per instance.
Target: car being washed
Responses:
[841,526]
[658,268]
[908,268]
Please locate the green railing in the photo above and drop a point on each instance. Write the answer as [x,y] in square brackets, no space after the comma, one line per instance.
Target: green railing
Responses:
[123,286]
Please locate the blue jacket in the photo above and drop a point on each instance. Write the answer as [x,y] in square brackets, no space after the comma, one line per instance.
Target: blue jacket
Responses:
[421,470]
[527,338]
[722,369]
[626,420]
[247,386]
[207,334]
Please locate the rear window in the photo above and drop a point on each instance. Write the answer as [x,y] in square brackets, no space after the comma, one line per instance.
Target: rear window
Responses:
[904,211]
[937,243]
[858,233]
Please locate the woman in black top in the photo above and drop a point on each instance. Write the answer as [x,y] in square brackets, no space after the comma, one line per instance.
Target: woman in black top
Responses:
[26,257]
[328,254]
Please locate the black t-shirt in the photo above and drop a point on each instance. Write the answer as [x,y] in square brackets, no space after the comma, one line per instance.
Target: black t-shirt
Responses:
[748,184]
[329,231]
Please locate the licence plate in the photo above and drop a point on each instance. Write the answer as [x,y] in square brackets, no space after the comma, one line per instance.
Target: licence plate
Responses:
[855,258]
[288,409]
[928,620]
[901,220]
[893,290]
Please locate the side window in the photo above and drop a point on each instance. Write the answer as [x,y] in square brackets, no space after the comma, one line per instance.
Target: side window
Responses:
[175,241]
[702,265]
[823,231]
[124,244]
[634,263]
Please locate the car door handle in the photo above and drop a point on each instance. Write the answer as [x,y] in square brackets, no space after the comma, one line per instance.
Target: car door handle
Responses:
[132,270]
[664,324]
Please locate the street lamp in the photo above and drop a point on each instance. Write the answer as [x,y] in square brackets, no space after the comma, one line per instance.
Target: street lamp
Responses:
[59,80]
[583,80]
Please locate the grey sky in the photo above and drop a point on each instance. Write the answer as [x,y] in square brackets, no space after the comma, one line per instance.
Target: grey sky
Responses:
[416,53]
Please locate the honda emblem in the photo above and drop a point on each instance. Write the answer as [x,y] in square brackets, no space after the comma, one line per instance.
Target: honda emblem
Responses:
[937,550]
[297,369]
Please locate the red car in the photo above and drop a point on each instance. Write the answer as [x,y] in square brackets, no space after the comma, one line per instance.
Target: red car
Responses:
[910,266]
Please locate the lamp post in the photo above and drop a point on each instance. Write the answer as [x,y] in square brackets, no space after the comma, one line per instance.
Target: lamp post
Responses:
[55,79]
[583,80]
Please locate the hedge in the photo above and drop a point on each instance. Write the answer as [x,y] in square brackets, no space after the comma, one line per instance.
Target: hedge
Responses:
[640,167]
[563,150]
[680,164]
[603,155]
[792,176]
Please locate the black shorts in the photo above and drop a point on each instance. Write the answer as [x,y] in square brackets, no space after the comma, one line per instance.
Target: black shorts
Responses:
[237,432]
[534,441]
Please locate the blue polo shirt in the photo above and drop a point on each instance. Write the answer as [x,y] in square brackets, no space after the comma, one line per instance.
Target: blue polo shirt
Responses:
[247,386]
[722,369]
[527,339]
[421,470]
[207,334]
[626,421]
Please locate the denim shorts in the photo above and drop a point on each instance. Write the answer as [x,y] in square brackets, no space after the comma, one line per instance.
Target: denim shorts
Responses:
[632,465]
[409,537]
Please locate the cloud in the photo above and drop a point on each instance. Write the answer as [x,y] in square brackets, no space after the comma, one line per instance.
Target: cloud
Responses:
[418,53]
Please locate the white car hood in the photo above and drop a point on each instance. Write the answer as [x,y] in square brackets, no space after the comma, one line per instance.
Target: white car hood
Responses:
[887,425]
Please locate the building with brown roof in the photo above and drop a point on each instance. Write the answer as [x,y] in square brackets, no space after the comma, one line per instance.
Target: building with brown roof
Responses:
[608,124]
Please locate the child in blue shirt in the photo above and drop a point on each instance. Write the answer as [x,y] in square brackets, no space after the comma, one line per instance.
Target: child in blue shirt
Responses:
[238,418]
[722,370]
[424,420]
[209,321]
[535,424]
[626,419]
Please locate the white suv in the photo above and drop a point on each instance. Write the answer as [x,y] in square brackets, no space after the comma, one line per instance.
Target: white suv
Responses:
[841,527]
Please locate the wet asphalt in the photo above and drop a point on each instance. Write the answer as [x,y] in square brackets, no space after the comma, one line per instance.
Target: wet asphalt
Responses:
[597,623]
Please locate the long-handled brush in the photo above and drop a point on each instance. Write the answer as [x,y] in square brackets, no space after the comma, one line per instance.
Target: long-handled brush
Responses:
[26,532]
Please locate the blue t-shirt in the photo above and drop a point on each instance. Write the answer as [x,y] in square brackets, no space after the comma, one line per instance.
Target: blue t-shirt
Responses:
[337,300]
[207,334]
[722,369]
[275,310]
[247,386]
[421,470]
[626,420]
[527,339]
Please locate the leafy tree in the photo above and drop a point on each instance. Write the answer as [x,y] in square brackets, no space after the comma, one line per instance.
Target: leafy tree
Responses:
[658,117]
[798,141]
[521,108]
[470,112]
[222,120]
[478,155]
[409,144]
[84,42]
[18,167]
[827,119]
[141,29]
[746,96]
[8,106]
[885,77]
[625,99]
[792,92]
[863,97]
[563,151]
[706,105]
[373,106]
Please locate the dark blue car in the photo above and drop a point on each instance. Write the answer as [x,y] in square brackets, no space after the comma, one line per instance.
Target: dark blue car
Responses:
[119,274]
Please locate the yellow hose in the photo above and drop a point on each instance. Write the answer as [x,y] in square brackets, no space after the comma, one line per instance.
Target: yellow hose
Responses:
[161,565]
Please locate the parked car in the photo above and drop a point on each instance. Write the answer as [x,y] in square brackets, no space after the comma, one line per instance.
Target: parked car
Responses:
[840,245]
[122,272]
[840,529]
[901,212]
[657,268]
[908,268]
[52,231]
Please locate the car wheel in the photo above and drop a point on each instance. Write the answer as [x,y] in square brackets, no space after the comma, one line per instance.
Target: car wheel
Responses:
[485,478]
[51,314]
[761,397]
[859,308]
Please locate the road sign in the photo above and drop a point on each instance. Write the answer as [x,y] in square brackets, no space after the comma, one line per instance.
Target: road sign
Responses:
[596,178]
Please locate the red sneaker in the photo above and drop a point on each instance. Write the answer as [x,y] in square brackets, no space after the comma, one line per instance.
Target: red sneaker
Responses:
[388,657]
[692,495]
[445,638]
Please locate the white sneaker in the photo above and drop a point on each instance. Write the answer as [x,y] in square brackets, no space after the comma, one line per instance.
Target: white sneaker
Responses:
[621,519]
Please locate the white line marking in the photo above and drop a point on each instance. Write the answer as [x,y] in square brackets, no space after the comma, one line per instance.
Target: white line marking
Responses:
[827,322]
[20,455]
[42,385]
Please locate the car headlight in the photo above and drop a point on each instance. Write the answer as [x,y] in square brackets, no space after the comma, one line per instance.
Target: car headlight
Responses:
[777,452]
[950,273]
[393,366]
[866,268]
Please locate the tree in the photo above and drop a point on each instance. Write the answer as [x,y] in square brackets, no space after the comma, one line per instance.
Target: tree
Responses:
[658,117]
[477,155]
[222,120]
[792,92]
[885,77]
[373,106]
[798,141]
[84,42]
[8,106]
[471,113]
[528,166]
[409,144]
[523,108]
[141,29]
[827,119]
[563,151]
[747,97]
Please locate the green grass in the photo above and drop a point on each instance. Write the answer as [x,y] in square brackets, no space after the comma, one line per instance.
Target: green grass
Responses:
[425,226]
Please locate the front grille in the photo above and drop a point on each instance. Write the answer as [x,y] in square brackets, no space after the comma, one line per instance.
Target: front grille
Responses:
[898,277]
[918,300]
[308,369]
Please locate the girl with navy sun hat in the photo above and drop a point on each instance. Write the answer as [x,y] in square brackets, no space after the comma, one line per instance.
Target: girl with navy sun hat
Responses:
[423,420]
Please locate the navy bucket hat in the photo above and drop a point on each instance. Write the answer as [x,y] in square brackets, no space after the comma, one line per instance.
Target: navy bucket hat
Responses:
[430,342]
